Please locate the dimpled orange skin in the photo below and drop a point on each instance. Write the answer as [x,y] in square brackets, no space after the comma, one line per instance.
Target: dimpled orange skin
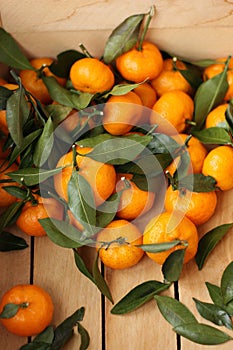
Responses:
[199,207]
[137,66]
[158,231]
[133,201]
[219,164]
[3,122]
[171,79]
[6,198]
[197,153]
[32,319]
[35,84]
[217,116]
[147,94]
[101,176]
[91,75]
[28,220]
[217,68]
[172,110]
[122,113]
[120,256]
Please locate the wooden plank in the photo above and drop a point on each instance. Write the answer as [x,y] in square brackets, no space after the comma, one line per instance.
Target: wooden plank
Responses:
[55,271]
[51,15]
[192,283]
[143,327]
[15,269]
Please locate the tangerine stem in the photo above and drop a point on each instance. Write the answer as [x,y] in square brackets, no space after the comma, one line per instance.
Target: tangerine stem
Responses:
[174,67]
[74,152]
[145,29]
[85,51]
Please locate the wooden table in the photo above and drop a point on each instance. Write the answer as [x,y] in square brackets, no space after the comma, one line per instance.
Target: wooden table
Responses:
[200,30]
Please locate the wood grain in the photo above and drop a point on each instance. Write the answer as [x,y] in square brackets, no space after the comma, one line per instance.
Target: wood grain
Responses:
[194,30]
[15,269]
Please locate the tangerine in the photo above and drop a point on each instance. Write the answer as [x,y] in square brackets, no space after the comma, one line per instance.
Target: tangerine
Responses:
[167,227]
[196,150]
[217,68]
[33,211]
[134,202]
[101,176]
[122,113]
[138,65]
[217,117]
[172,110]
[171,78]
[117,245]
[91,75]
[219,164]
[6,198]
[35,311]
[32,81]
[199,207]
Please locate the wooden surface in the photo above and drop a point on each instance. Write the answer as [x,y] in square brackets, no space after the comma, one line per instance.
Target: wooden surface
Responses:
[200,29]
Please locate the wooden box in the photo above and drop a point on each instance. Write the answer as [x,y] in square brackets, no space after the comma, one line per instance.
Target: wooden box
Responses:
[196,30]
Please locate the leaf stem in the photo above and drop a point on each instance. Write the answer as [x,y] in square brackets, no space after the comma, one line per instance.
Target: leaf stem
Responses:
[85,51]
[145,29]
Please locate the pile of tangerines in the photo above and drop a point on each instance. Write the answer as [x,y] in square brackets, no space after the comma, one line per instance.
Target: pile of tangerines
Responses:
[156,99]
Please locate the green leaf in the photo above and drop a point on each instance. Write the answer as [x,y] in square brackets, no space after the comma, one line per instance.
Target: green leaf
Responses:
[229,115]
[9,242]
[162,143]
[46,336]
[175,312]
[58,112]
[82,267]
[203,63]
[10,215]
[209,241]
[159,247]
[138,296]
[172,267]
[100,281]
[198,183]
[85,338]
[81,201]
[107,210]
[202,334]
[17,112]
[121,89]
[27,141]
[183,169]
[209,95]
[36,346]
[62,233]
[123,37]
[119,150]
[215,293]
[44,144]
[64,331]
[9,310]
[10,53]
[16,191]
[61,67]
[4,95]
[192,76]
[33,176]
[95,140]
[227,283]
[66,97]
[213,313]
[214,135]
